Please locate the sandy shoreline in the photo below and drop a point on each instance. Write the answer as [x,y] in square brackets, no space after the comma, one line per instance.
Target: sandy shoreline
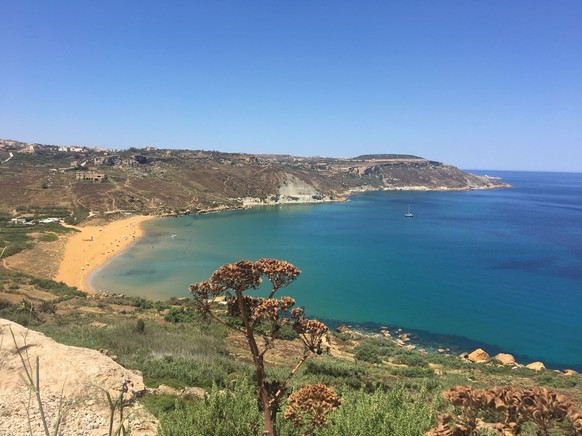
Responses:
[93,246]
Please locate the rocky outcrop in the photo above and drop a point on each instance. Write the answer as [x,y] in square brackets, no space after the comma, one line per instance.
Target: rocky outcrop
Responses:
[478,356]
[291,190]
[294,188]
[81,375]
[420,174]
[505,359]
[536,366]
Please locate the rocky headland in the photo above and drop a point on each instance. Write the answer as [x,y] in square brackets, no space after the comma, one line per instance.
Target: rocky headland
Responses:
[102,182]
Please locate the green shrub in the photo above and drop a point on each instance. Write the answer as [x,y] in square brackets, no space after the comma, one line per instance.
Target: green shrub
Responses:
[163,403]
[58,228]
[226,413]
[337,372]
[140,326]
[447,360]
[221,413]
[47,307]
[412,358]
[412,372]
[287,333]
[57,288]
[23,318]
[395,412]
[48,237]
[367,352]
[179,372]
[77,216]
[138,302]
[342,336]
[181,314]
[554,380]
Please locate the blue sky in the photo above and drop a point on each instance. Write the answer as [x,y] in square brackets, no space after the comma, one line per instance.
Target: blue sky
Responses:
[492,84]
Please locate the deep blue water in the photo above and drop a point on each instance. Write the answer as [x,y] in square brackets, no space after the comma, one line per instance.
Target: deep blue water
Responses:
[500,269]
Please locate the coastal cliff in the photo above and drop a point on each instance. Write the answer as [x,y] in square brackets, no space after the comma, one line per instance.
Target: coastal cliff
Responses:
[88,181]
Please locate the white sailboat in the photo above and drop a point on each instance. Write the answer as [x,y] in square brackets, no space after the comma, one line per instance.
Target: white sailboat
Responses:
[409,214]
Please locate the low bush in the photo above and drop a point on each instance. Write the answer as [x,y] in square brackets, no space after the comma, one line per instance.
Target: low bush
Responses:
[57,288]
[235,412]
[221,413]
[181,314]
[367,352]
[5,304]
[287,333]
[412,372]
[412,358]
[393,412]
[77,216]
[48,237]
[374,350]
[558,381]
[47,307]
[336,372]
[179,372]
[162,403]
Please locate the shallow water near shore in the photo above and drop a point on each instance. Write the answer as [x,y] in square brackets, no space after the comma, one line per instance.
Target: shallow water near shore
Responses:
[499,268]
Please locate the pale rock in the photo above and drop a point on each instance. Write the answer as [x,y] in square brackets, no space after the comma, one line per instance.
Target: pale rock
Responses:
[342,329]
[506,359]
[192,392]
[167,390]
[536,366]
[80,375]
[98,325]
[478,356]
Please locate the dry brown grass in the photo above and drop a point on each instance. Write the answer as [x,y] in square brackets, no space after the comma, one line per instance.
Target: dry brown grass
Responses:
[41,261]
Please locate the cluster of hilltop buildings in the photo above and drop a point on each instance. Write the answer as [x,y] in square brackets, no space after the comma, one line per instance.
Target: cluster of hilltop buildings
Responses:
[86,169]
[25,222]
[95,176]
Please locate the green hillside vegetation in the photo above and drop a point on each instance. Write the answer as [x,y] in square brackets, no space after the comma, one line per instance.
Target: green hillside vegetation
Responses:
[384,389]
[15,237]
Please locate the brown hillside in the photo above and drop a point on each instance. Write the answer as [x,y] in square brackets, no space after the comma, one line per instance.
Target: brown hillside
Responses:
[152,181]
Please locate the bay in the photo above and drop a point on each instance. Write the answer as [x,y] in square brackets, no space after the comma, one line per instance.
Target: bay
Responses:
[501,269]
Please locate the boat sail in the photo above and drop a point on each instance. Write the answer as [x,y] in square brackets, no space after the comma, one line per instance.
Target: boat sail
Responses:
[409,214]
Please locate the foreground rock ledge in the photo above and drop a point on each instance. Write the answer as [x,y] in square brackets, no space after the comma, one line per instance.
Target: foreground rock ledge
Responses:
[82,375]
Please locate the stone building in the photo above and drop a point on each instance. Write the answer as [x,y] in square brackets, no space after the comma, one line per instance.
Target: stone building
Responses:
[91,176]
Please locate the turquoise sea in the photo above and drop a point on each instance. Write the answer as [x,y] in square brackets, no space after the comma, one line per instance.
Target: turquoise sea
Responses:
[499,269]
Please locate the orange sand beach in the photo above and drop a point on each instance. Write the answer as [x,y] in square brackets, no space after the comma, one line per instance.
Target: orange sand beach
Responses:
[93,246]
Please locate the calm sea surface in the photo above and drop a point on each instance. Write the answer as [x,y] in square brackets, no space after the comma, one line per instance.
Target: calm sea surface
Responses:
[499,269]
